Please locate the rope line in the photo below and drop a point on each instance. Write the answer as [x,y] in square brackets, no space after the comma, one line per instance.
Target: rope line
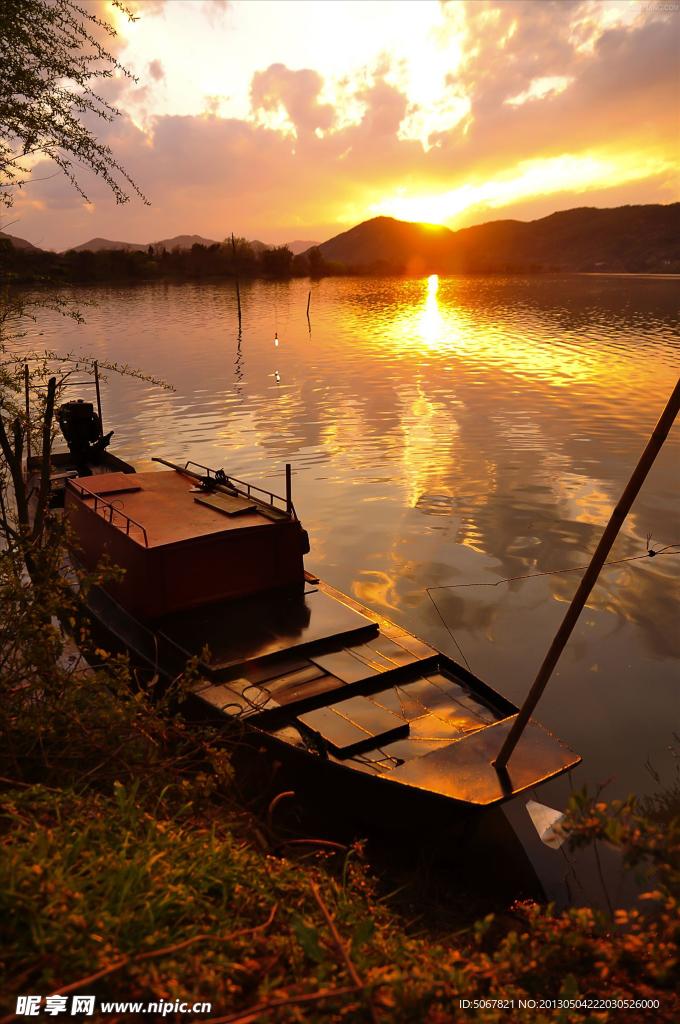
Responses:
[650,553]
[427,591]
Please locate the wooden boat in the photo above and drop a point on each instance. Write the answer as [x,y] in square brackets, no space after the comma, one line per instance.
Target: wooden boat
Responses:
[214,563]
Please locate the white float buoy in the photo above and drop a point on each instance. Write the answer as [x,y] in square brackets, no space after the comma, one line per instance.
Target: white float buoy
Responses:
[545,819]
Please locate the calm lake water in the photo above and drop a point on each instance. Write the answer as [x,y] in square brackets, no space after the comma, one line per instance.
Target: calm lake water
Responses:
[446,437]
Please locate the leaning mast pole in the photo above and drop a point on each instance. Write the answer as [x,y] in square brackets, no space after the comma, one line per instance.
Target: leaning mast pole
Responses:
[592,572]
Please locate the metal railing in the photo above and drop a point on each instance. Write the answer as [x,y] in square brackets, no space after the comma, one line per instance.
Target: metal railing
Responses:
[101,507]
[247,489]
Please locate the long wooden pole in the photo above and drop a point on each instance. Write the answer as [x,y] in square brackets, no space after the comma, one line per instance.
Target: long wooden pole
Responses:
[99,397]
[27,377]
[588,582]
[289,488]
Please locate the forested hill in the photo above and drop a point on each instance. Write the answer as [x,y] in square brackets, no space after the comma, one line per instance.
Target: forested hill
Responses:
[629,239]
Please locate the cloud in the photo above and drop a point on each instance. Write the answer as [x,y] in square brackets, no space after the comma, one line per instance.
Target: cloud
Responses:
[156,71]
[596,92]
[215,11]
[620,93]
[297,92]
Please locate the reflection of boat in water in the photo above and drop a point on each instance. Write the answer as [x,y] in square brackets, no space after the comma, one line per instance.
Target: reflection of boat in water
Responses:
[349,697]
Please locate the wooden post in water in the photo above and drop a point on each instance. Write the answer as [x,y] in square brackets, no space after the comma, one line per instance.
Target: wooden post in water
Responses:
[28,412]
[99,397]
[588,582]
[309,299]
[238,291]
[289,489]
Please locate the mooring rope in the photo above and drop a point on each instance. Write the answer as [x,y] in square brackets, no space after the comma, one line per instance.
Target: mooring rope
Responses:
[650,553]
[668,549]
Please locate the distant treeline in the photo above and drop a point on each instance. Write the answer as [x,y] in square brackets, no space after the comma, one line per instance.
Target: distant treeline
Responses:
[200,262]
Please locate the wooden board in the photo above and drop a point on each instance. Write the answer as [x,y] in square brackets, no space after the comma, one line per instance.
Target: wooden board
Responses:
[464,770]
[225,503]
[352,725]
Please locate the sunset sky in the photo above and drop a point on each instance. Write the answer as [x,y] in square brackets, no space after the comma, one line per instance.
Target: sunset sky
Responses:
[297,120]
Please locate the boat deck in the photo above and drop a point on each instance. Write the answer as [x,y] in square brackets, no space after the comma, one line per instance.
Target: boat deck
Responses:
[376,699]
[160,508]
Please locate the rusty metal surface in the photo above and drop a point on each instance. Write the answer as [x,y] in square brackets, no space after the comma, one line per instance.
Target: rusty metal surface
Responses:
[165,506]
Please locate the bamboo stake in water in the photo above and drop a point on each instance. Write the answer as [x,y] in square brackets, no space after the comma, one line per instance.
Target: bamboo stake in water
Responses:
[238,293]
[588,582]
[309,299]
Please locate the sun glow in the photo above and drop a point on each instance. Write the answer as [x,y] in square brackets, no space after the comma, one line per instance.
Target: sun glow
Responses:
[528,179]
[432,284]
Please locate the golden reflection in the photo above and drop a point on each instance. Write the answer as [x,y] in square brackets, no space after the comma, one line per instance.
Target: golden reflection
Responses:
[432,284]
[484,339]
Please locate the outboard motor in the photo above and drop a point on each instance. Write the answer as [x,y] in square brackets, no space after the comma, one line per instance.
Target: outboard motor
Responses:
[82,430]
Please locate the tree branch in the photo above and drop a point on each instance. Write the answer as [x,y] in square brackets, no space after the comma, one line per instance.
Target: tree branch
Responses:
[44,489]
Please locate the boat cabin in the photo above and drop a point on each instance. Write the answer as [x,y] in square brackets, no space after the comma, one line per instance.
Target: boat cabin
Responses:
[183,541]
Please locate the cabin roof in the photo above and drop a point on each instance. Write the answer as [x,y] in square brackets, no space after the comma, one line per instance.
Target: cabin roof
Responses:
[165,506]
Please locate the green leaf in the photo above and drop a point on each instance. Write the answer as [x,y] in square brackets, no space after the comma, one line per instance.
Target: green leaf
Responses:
[308,937]
[363,933]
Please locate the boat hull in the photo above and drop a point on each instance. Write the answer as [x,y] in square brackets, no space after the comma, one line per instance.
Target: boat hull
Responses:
[376,716]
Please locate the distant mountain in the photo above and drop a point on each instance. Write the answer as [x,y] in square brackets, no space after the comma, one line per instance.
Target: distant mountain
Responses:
[178,242]
[298,246]
[97,244]
[21,243]
[295,247]
[183,242]
[627,238]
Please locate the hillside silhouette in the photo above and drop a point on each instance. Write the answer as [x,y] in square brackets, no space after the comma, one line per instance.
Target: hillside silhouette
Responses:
[625,239]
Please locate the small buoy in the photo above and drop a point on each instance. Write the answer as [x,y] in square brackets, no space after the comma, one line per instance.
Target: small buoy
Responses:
[276,338]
